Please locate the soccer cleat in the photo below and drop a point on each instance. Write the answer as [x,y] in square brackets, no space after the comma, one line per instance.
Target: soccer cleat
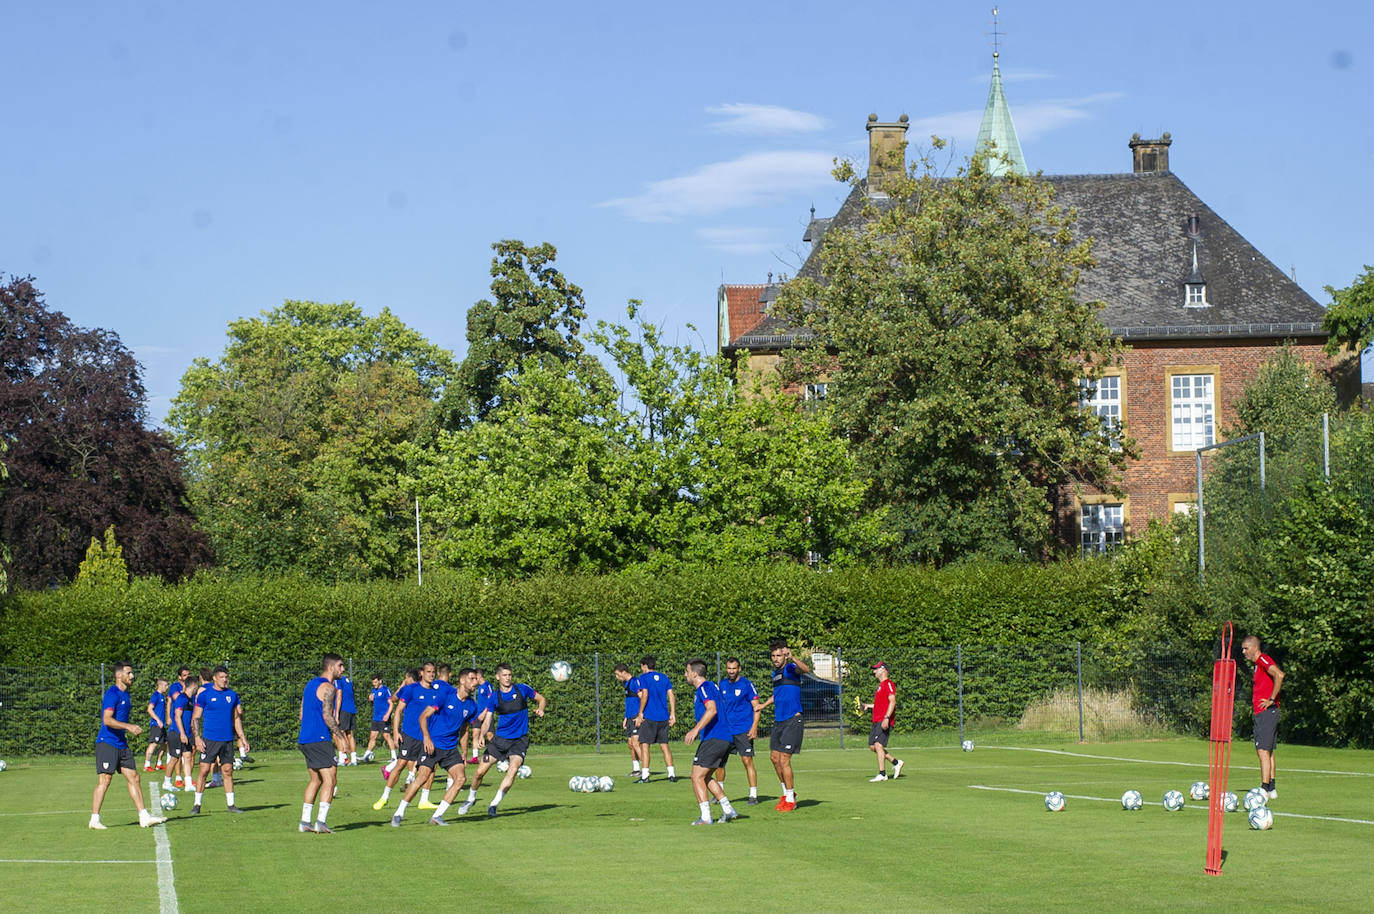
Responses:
[195,810]
[491,812]
[148,821]
[672,779]
[703,822]
[305,828]
[426,804]
[161,766]
[395,821]
[464,808]
[474,760]
[232,809]
[729,817]
[1272,794]
[782,801]
[785,806]
[98,825]
[367,757]
[168,788]
[878,777]
[435,820]
[248,760]
[752,801]
[322,829]
[379,804]
[897,769]
[147,767]
[180,784]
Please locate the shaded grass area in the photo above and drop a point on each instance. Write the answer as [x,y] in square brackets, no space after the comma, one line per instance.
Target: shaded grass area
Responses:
[925,842]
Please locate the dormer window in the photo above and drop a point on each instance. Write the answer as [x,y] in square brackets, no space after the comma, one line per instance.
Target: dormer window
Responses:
[1197,295]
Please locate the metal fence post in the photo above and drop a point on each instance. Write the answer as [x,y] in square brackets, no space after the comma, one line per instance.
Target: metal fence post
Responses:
[102,677]
[717,666]
[839,696]
[1326,446]
[596,671]
[959,668]
[1079,646]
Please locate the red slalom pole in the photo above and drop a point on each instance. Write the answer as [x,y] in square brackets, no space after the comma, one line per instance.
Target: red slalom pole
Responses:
[1223,713]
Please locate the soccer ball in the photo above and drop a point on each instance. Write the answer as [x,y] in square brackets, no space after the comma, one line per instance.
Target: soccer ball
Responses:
[1200,790]
[575,783]
[523,771]
[561,671]
[1132,799]
[238,763]
[1261,818]
[503,766]
[3,766]
[1255,797]
[590,784]
[1054,801]
[605,784]
[167,801]
[967,745]
[1230,802]
[1173,801]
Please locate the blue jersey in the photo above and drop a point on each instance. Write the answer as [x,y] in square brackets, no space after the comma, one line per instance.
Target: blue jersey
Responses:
[658,686]
[313,726]
[739,704]
[159,715]
[181,710]
[447,722]
[118,700]
[512,709]
[718,728]
[632,697]
[381,701]
[345,687]
[486,698]
[786,692]
[217,713]
[417,698]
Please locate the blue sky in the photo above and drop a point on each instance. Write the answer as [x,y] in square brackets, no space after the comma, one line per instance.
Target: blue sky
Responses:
[171,167]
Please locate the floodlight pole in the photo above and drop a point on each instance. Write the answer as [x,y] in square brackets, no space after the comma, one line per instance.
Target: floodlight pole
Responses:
[1201,560]
[1326,446]
[419,566]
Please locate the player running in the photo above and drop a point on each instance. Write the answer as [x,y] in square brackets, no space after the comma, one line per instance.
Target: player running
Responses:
[382,703]
[411,701]
[157,728]
[716,741]
[656,716]
[630,683]
[112,754]
[320,734]
[511,741]
[485,696]
[786,738]
[442,726]
[216,720]
[741,712]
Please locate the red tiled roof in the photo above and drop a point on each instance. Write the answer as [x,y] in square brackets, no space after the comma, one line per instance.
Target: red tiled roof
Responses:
[742,306]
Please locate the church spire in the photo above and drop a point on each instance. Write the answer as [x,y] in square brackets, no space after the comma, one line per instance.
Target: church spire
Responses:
[997,127]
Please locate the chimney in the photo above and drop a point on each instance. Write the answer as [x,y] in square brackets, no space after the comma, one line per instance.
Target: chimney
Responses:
[1150,156]
[886,151]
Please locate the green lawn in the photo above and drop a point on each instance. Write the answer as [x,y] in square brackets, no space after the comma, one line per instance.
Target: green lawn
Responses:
[929,841]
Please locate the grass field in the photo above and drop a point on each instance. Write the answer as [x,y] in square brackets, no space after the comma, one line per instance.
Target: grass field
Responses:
[958,832]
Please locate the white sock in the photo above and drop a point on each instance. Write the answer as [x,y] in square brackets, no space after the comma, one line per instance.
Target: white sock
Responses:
[496,800]
[725,805]
[167,784]
[443,808]
[424,796]
[706,810]
[386,794]
[401,807]
[324,812]
[754,792]
[95,818]
[472,794]
[354,757]
[306,809]
[393,755]
[791,795]
[229,798]
[671,772]
[196,801]
[144,815]
[644,774]
[634,766]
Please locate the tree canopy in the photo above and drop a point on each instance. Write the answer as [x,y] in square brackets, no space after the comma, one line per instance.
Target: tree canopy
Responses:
[1349,319]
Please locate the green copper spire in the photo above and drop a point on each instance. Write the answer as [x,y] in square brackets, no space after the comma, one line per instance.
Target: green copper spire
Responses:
[997,128]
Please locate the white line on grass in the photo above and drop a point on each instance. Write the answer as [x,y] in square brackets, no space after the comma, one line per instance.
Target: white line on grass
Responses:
[166,889]
[1146,761]
[45,812]
[79,862]
[1072,796]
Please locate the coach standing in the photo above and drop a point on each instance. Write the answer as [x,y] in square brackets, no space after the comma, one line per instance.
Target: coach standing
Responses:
[1268,681]
[884,708]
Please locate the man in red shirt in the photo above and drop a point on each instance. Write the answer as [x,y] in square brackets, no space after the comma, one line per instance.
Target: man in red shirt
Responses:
[884,707]
[1268,681]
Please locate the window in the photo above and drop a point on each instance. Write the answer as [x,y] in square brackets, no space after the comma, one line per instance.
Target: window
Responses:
[1186,508]
[1197,295]
[1192,408]
[815,391]
[1103,397]
[1103,526]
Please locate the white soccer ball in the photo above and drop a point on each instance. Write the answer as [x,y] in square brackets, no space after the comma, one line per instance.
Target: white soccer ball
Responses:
[967,745]
[238,763]
[503,766]
[1261,818]
[1230,802]
[3,766]
[523,771]
[1255,797]
[1054,801]
[1132,799]
[1173,801]
[167,801]
[561,671]
[575,783]
[605,784]
[590,784]
[1200,790]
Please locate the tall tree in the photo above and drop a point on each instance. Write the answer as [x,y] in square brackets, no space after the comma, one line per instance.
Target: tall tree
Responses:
[298,438]
[947,319]
[1349,319]
[80,459]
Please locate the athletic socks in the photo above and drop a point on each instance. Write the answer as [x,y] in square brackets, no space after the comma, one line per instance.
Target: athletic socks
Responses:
[424,796]
[472,794]
[725,806]
[443,808]
[705,810]
[401,807]
[671,772]
[753,793]
[199,796]
[324,812]
[634,767]
[354,757]
[790,795]
[496,800]
[229,798]
[305,812]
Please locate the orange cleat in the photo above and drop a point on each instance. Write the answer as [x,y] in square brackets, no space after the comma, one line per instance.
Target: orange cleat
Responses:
[785,806]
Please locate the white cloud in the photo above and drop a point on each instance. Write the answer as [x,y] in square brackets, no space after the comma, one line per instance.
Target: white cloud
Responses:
[748,181]
[738,239]
[739,117]
[1032,120]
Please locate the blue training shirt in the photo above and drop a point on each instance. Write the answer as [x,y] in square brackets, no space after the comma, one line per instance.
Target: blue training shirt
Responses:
[447,722]
[719,727]
[159,703]
[346,702]
[217,713]
[117,699]
[486,698]
[786,692]
[417,698]
[632,697]
[513,710]
[313,727]
[658,686]
[381,700]
[739,704]
[181,708]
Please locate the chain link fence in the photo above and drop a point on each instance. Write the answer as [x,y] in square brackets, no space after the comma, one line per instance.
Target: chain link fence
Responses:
[1077,689]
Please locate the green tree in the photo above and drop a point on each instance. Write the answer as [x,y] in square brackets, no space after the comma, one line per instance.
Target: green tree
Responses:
[1349,319]
[947,321]
[104,563]
[299,436]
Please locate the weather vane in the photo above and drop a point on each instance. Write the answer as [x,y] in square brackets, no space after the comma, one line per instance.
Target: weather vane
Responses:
[996,34]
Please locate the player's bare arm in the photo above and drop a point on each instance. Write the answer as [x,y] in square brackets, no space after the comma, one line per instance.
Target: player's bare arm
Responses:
[329,709]
[672,708]
[643,702]
[1275,674]
[540,703]
[425,740]
[195,728]
[108,719]
[238,728]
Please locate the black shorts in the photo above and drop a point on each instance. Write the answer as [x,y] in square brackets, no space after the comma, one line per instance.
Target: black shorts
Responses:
[653,732]
[876,734]
[411,748]
[712,753]
[381,726]
[786,736]
[500,748]
[318,756]
[443,759]
[109,758]
[175,747]
[346,721]
[217,751]
[631,731]
[1267,729]
[156,735]
[742,745]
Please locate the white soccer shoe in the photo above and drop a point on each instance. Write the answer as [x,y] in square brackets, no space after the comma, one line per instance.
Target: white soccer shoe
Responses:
[877,777]
[897,769]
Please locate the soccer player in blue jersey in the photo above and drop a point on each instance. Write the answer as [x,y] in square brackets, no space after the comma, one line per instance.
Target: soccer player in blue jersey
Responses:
[786,738]
[630,683]
[485,696]
[742,714]
[320,734]
[347,709]
[511,741]
[177,688]
[179,743]
[382,702]
[157,727]
[112,753]
[657,714]
[411,702]
[715,745]
[442,726]
[216,720]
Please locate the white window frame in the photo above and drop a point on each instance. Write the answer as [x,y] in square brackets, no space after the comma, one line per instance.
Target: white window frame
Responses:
[1104,397]
[1101,526]
[1196,295]
[1192,411]
[816,391]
